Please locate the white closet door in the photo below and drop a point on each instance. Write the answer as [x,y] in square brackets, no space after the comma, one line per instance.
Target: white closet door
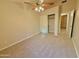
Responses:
[51,24]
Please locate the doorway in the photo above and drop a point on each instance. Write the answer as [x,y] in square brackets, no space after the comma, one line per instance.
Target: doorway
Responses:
[51,23]
[63,23]
[67,23]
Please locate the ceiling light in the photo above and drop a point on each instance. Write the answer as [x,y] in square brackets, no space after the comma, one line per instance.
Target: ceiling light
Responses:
[39,9]
[42,9]
[36,9]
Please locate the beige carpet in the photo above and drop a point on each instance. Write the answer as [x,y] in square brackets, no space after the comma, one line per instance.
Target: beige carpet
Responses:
[42,46]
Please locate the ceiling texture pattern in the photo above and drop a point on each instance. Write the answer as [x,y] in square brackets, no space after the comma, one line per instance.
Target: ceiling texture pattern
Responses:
[48,3]
[55,2]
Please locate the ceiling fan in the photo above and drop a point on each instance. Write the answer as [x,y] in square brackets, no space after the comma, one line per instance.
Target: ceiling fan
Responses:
[39,5]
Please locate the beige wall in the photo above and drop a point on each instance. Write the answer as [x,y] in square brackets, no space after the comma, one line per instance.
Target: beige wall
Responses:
[16,22]
[76,29]
[44,20]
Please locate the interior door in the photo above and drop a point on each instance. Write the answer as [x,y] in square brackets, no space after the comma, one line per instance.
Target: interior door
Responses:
[51,23]
[63,21]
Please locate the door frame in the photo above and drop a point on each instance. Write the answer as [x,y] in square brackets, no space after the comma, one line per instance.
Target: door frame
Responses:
[62,14]
[71,25]
[48,21]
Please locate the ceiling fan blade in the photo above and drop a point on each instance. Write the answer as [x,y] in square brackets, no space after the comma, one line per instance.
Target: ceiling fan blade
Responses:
[41,1]
[49,3]
[30,3]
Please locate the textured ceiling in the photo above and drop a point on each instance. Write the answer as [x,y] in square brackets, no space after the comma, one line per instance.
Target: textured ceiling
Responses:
[48,1]
[51,0]
[56,2]
[44,0]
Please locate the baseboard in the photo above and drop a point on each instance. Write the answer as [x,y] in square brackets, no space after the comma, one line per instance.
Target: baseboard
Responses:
[19,41]
[75,48]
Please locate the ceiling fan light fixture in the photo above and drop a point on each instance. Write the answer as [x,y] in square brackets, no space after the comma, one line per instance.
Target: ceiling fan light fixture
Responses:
[42,9]
[36,9]
[39,9]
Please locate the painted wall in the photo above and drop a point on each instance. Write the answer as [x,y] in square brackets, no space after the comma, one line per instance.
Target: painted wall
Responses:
[44,20]
[76,29]
[16,22]
[44,23]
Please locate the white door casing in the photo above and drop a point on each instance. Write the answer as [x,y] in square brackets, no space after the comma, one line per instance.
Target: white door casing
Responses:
[71,22]
[51,22]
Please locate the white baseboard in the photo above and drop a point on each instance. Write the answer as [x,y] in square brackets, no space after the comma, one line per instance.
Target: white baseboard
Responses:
[19,41]
[75,48]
